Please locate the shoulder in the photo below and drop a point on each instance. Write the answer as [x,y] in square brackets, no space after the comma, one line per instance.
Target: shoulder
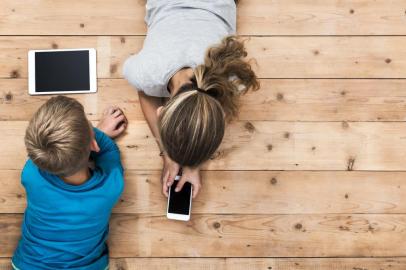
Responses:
[145,71]
[31,175]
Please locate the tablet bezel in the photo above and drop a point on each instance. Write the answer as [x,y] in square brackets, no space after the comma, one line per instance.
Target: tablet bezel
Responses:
[92,72]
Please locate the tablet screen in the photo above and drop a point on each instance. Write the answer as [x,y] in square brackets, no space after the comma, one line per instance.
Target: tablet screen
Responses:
[62,71]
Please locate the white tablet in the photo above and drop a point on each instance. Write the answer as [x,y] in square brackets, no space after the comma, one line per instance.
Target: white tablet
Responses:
[65,71]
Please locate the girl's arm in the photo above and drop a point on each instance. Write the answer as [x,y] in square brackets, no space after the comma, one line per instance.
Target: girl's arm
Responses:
[149,106]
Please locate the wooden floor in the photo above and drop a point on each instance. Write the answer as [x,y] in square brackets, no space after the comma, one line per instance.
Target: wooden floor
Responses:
[311,176]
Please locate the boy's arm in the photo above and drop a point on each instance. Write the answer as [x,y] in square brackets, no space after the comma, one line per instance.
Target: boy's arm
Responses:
[109,155]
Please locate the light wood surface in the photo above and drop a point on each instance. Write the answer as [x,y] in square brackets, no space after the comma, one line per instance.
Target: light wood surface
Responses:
[313,170]
[255,17]
[249,263]
[258,145]
[316,57]
[272,192]
[277,100]
[237,235]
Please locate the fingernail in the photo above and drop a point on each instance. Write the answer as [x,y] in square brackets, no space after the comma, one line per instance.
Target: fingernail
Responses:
[177,190]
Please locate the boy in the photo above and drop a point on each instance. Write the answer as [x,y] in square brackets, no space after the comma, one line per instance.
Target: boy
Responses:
[65,224]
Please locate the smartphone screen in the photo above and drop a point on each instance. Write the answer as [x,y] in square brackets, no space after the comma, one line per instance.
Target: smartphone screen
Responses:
[179,202]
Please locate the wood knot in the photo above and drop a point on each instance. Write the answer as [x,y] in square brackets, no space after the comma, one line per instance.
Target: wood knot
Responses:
[345,125]
[216,155]
[350,164]
[352,11]
[346,196]
[113,68]
[249,126]
[8,96]
[279,96]
[388,60]
[286,135]
[122,40]
[54,46]
[147,180]
[19,196]
[216,225]
[15,74]
[82,25]
[313,148]
[316,52]
[131,146]
[343,93]
[274,181]
[224,187]
[298,226]
[269,147]
[248,245]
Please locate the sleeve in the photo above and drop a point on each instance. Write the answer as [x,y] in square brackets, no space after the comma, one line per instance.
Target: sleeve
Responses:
[108,158]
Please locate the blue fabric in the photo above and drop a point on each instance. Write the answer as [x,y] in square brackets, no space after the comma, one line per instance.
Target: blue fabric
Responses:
[66,226]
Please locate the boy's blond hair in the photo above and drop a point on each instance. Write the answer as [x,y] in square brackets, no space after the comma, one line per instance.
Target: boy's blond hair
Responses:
[58,136]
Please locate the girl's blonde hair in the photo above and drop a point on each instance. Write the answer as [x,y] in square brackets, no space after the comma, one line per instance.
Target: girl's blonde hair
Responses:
[192,123]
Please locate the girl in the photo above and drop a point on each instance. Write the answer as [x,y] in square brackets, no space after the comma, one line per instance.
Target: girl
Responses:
[203,81]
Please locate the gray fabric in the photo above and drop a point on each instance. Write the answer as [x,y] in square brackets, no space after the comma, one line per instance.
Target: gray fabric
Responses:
[179,33]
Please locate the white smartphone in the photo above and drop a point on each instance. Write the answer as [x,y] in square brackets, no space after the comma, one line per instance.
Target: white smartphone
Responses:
[62,71]
[179,203]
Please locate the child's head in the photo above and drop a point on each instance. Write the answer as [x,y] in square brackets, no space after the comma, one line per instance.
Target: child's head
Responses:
[59,136]
[192,123]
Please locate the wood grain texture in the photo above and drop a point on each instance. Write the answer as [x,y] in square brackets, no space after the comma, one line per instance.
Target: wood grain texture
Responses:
[258,145]
[255,17]
[300,57]
[309,17]
[244,235]
[248,263]
[277,100]
[243,192]
[17,104]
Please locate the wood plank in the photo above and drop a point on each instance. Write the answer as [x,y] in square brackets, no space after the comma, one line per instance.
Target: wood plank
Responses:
[249,263]
[255,17]
[17,104]
[258,264]
[301,57]
[278,100]
[244,235]
[227,192]
[258,145]
[310,17]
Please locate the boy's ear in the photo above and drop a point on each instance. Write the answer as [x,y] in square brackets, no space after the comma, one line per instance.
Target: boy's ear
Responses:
[94,146]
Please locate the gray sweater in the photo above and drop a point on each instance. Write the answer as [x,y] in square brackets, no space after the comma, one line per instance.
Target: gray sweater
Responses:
[179,33]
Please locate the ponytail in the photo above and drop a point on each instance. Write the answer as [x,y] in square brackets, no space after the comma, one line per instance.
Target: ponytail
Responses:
[192,123]
[225,75]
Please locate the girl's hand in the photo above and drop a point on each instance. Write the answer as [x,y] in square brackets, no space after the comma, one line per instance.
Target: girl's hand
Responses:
[113,122]
[191,175]
[169,172]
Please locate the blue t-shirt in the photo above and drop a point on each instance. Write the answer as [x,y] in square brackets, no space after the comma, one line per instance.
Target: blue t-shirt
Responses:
[66,226]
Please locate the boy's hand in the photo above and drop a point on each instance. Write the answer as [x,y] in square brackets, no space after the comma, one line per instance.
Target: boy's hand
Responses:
[169,172]
[191,175]
[113,122]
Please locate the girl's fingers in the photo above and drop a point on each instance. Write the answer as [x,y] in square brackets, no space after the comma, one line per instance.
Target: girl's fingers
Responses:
[196,189]
[180,184]
[164,183]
